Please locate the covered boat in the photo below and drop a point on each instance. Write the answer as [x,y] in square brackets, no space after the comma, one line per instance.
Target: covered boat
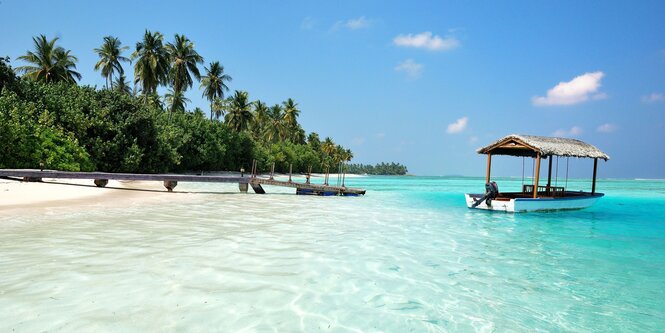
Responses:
[536,197]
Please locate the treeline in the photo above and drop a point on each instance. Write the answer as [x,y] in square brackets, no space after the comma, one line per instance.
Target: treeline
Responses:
[378,169]
[47,119]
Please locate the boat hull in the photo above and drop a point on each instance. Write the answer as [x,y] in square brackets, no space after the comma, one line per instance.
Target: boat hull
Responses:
[533,205]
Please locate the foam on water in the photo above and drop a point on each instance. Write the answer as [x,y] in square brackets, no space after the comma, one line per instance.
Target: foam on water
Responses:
[409,256]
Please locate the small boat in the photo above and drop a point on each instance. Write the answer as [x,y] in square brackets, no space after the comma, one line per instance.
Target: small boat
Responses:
[535,197]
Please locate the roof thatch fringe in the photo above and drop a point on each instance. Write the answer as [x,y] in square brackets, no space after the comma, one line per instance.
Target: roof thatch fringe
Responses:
[546,146]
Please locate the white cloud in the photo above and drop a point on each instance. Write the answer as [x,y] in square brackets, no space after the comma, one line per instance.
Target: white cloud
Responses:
[577,90]
[380,135]
[473,139]
[426,40]
[358,23]
[353,24]
[653,98]
[358,141]
[606,128]
[307,23]
[572,132]
[458,126]
[412,69]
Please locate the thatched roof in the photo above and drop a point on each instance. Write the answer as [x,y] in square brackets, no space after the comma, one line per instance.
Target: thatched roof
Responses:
[530,145]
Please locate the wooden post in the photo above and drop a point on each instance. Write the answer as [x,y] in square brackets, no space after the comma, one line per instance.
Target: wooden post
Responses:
[593,183]
[535,180]
[309,174]
[327,175]
[549,174]
[170,185]
[290,171]
[32,179]
[343,174]
[101,182]
[489,167]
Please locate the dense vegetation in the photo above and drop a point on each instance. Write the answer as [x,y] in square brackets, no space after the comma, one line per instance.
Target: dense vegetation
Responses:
[378,169]
[45,117]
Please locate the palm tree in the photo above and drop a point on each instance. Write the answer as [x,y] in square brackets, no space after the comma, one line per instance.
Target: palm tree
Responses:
[275,128]
[339,155]
[152,63]
[199,113]
[122,85]
[110,56]
[66,65]
[240,114]
[176,101]
[260,119]
[183,59]
[213,83]
[297,135]
[328,146]
[154,101]
[348,155]
[49,63]
[291,113]
[313,140]
[219,107]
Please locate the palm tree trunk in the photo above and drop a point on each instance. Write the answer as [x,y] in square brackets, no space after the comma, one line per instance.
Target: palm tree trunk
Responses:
[210,110]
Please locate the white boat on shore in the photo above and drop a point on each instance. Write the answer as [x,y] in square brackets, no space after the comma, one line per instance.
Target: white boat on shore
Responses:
[544,198]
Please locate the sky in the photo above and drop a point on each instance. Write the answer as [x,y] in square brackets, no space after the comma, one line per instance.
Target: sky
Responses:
[422,83]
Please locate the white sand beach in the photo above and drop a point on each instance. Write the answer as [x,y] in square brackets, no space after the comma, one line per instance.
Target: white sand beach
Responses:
[15,194]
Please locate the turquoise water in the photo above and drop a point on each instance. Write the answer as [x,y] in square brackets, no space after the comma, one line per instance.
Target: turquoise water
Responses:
[407,257]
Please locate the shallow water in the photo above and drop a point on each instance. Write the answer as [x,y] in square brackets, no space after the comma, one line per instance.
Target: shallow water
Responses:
[409,256]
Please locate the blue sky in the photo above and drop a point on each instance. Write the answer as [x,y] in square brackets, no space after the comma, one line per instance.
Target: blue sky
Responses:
[423,83]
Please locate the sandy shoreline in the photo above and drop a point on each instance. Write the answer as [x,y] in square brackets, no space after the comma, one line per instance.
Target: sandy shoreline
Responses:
[16,195]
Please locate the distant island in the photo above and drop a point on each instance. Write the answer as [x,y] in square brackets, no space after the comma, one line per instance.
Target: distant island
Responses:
[47,120]
[383,169]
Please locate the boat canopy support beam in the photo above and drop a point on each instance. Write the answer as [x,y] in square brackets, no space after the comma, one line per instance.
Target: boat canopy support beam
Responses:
[593,182]
[549,173]
[489,167]
[535,178]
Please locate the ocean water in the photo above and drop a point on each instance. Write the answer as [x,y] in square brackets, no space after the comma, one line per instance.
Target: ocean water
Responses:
[407,257]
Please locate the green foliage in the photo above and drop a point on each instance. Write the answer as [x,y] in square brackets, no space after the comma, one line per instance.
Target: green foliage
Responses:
[378,169]
[183,59]
[7,76]
[49,63]
[214,86]
[151,62]
[240,111]
[110,56]
[45,119]
[284,154]
[59,151]
[29,138]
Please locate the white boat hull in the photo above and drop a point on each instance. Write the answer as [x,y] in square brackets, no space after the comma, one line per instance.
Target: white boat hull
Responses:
[533,205]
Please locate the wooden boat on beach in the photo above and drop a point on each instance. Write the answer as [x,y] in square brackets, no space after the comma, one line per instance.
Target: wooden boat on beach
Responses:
[535,197]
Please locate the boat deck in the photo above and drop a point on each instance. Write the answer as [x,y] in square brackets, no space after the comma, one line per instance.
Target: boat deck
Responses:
[543,194]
